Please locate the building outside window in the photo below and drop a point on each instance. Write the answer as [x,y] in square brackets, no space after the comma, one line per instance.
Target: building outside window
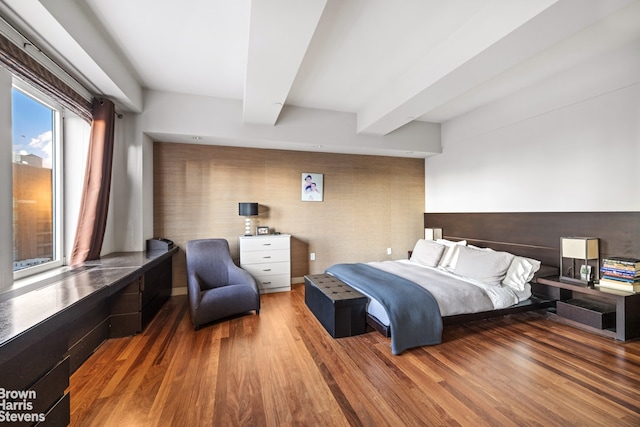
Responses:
[36,185]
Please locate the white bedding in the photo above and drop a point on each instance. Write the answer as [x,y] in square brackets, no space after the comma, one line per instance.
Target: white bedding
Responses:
[454,294]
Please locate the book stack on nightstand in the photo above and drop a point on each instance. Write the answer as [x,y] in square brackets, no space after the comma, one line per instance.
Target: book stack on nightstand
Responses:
[619,273]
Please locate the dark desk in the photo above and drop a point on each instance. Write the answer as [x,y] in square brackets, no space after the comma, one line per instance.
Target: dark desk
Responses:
[49,328]
[626,306]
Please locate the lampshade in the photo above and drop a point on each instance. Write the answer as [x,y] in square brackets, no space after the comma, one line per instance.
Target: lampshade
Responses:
[579,247]
[582,249]
[247,209]
[432,233]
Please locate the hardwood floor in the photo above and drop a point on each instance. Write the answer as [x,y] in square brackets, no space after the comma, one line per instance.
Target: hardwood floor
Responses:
[283,368]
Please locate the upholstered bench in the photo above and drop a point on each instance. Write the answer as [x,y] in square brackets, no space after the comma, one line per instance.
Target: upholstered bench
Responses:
[339,308]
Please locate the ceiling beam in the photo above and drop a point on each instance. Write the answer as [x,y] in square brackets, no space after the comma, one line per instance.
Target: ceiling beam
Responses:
[428,83]
[71,29]
[502,35]
[279,34]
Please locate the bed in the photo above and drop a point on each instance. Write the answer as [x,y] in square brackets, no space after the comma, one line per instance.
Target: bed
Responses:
[534,235]
[459,279]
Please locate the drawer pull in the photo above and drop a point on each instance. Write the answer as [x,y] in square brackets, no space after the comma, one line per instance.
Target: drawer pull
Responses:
[266,244]
[267,269]
[266,257]
[266,283]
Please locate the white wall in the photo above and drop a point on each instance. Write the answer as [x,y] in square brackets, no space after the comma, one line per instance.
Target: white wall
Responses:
[568,143]
[220,121]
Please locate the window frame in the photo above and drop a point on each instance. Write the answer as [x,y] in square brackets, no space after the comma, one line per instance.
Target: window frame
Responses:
[57,184]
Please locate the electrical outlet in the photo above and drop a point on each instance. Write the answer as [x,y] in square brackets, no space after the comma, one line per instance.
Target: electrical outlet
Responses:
[312,256]
[388,251]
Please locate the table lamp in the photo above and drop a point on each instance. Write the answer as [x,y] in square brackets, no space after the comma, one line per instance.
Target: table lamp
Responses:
[584,249]
[247,210]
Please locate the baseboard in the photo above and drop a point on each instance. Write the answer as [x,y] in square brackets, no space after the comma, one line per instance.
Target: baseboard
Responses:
[297,280]
[178,291]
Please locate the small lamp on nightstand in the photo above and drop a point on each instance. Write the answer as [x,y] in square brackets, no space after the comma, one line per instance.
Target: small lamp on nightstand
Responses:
[247,210]
[432,233]
[584,249]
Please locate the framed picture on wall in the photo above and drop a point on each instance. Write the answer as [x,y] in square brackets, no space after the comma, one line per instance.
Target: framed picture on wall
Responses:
[312,187]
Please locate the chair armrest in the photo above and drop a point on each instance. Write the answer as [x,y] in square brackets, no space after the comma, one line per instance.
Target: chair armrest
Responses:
[194,290]
[238,276]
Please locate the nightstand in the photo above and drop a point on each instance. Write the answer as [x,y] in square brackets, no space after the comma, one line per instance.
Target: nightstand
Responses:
[604,311]
[268,259]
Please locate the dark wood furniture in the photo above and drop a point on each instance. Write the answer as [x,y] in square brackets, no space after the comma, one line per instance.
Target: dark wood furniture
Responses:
[537,235]
[47,332]
[607,312]
[135,306]
[536,302]
[339,308]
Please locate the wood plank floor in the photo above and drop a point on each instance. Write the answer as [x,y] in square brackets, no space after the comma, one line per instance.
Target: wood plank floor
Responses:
[283,368]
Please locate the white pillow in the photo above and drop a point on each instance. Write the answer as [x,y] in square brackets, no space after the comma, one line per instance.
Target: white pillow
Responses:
[450,255]
[520,272]
[489,267]
[479,248]
[427,252]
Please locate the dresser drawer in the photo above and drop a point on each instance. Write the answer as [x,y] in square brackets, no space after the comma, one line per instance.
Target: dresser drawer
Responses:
[126,303]
[260,257]
[265,244]
[268,259]
[268,269]
[266,283]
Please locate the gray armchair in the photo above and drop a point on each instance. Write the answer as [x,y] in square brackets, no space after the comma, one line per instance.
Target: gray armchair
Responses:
[217,288]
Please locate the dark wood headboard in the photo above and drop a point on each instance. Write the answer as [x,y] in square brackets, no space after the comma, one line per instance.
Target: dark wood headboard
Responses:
[537,234]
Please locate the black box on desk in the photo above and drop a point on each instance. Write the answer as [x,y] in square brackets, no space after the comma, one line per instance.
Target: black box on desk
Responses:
[339,308]
[159,244]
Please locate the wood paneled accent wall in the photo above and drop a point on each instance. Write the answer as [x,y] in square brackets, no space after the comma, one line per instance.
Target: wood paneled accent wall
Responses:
[537,234]
[371,203]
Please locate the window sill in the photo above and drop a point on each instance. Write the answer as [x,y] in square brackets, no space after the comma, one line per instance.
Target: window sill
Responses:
[40,280]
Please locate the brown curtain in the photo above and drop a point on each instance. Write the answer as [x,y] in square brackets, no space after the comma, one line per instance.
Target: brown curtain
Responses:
[94,207]
[21,64]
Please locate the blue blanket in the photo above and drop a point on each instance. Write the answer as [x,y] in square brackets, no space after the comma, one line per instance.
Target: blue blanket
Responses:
[413,312]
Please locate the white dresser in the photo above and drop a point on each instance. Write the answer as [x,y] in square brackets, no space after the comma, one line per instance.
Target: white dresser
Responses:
[268,259]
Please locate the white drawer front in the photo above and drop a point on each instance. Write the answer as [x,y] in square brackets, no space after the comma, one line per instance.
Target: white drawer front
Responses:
[257,257]
[264,244]
[270,282]
[268,269]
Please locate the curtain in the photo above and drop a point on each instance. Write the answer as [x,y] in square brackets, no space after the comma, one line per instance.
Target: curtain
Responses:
[94,206]
[21,64]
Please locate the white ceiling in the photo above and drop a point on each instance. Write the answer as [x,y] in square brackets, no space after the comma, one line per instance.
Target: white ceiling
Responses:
[388,62]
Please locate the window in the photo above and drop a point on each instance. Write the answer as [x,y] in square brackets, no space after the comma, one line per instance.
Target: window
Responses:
[37,218]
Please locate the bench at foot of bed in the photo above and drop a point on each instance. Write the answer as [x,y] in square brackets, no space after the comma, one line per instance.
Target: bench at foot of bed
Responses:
[339,308]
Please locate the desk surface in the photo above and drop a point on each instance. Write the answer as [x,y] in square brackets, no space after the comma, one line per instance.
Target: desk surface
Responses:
[23,310]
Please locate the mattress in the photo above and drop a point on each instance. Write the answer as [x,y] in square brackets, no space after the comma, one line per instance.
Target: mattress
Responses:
[454,294]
